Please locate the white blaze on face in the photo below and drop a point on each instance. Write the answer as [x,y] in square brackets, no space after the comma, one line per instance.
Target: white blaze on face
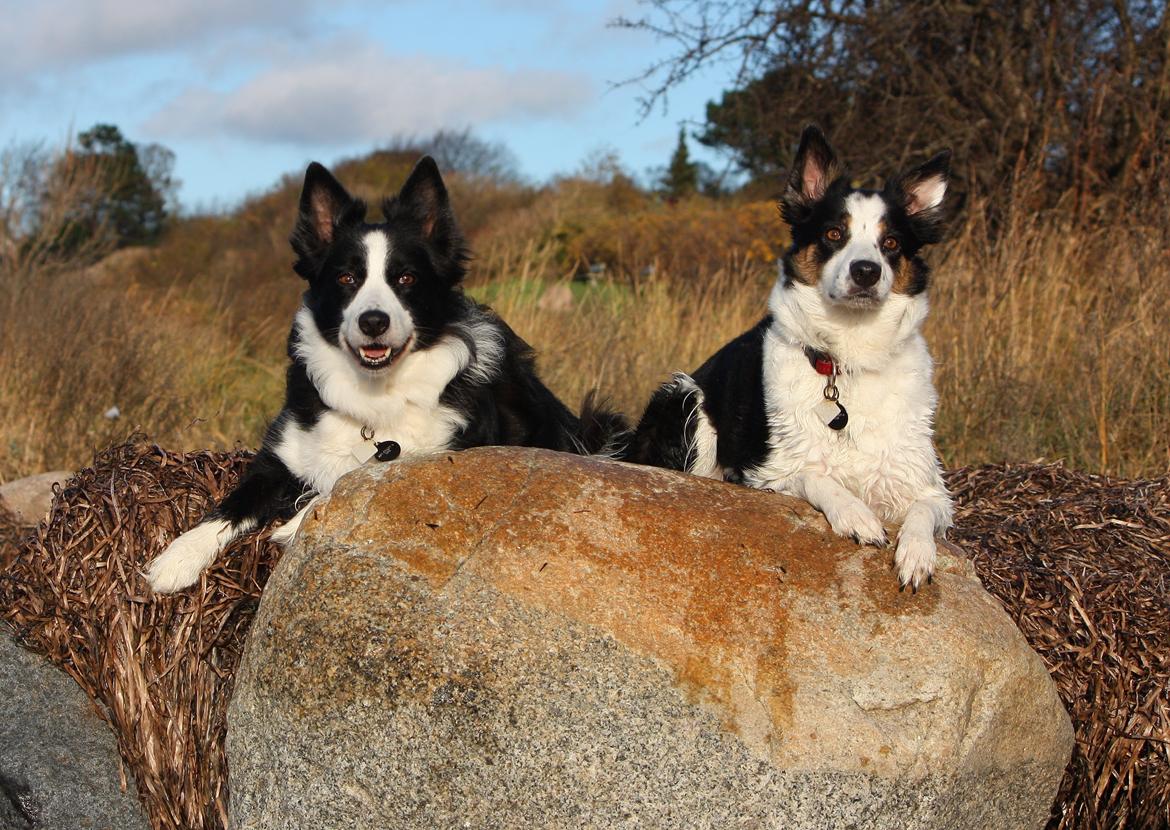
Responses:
[865,219]
[376,294]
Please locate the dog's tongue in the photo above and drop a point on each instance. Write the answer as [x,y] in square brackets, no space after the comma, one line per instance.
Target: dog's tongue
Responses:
[374,352]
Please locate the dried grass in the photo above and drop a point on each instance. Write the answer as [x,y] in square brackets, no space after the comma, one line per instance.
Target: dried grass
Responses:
[1049,338]
[1081,563]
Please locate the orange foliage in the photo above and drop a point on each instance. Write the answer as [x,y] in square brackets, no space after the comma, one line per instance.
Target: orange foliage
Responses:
[683,239]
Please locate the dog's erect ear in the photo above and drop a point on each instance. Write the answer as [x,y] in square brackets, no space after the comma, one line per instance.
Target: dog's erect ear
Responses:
[924,187]
[425,195]
[922,192]
[325,206]
[423,201]
[323,202]
[813,170]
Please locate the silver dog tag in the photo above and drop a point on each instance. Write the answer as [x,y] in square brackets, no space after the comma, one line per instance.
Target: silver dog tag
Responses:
[832,414]
[364,451]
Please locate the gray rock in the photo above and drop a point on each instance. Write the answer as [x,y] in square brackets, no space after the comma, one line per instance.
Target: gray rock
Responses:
[557,297]
[58,759]
[512,638]
[29,498]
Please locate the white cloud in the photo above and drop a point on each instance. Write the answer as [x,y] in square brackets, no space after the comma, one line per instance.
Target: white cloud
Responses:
[344,94]
[59,34]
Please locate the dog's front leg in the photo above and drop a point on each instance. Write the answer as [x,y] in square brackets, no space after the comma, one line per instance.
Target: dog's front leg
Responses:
[926,519]
[847,514]
[266,492]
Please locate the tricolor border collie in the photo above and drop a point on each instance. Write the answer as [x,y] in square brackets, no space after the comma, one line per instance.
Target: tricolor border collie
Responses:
[829,397]
[388,357]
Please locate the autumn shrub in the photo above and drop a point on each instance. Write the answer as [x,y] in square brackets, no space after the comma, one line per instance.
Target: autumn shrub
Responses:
[682,239]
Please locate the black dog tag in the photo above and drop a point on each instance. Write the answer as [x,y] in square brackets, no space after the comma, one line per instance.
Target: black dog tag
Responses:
[841,420]
[832,413]
[387,450]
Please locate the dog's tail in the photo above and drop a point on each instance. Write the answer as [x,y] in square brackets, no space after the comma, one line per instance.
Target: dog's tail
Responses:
[603,430]
[674,432]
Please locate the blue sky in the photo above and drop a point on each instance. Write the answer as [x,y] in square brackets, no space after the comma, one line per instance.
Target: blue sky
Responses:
[244,91]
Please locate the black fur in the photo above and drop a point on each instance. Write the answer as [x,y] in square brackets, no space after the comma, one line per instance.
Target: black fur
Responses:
[732,384]
[265,493]
[732,381]
[666,430]
[515,408]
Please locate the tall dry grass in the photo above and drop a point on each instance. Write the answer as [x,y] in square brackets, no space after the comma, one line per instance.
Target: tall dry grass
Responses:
[1050,342]
[74,348]
[78,339]
[625,342]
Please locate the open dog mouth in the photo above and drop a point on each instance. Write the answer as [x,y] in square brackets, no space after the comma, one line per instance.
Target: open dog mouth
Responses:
[379,355]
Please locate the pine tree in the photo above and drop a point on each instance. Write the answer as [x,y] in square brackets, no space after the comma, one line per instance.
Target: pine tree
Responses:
[682,176]
[120,190]
[133,205]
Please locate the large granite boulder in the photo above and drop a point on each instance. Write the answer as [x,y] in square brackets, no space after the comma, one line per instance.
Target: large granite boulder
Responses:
[517,638]
[59,766]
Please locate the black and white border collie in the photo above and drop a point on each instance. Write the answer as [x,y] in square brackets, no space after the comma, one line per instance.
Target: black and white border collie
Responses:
[388,357]
[829,397]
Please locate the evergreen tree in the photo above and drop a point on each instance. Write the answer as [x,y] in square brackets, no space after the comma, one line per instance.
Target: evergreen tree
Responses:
[682,175]
[128,187]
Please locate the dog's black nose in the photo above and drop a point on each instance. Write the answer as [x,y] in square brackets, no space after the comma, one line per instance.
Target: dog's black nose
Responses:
[865,273]
[373,323]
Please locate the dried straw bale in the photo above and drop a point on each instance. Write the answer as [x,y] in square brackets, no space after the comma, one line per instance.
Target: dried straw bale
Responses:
[1082,563]
[161,667]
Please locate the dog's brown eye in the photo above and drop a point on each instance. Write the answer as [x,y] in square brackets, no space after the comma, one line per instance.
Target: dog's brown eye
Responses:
[834,234]
[890,244]
[406,279]
[345,279]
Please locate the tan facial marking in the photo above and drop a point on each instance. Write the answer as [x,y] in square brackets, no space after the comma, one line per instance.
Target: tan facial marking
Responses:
[904,276]
[904,273]
[807,265]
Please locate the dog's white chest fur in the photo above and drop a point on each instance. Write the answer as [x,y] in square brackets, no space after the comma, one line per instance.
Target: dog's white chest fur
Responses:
[884,454]
[403,405]
[334,445]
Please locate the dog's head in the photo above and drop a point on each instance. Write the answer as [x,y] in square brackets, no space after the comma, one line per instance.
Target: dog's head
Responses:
[378,291]
[859,246]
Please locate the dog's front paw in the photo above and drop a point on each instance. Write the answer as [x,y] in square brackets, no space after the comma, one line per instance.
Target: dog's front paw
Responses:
[852,518]
[179,566]
[914,559]
[173,570]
